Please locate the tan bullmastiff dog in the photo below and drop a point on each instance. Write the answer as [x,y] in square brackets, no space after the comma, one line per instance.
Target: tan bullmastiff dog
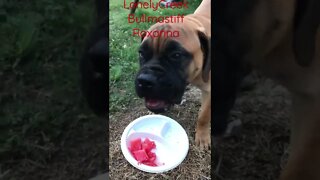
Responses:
[281,38]
[172,55]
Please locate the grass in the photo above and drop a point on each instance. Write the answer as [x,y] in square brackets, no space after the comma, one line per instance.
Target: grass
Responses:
[123,62]
[40,99]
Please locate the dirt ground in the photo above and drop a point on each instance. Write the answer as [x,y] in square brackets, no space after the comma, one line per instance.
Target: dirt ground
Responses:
[260,150]
[257,152]
[197,164]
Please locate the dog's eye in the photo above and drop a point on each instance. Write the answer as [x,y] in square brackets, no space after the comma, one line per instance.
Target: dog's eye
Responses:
[176,55]
[142,58]
[141,54]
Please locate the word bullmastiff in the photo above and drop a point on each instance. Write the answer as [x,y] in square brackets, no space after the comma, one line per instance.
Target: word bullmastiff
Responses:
[281,38]
[169,63]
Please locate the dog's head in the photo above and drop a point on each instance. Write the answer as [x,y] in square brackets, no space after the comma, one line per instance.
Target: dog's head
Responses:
[94,62]
[170,57]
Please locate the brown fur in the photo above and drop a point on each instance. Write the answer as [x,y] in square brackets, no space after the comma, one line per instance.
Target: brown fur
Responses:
[192,25]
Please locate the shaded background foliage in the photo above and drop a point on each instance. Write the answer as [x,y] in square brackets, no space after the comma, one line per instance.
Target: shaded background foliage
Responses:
[44,119]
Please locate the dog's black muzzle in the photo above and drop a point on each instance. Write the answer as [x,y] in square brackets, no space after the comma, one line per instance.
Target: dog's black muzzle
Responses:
[160,88]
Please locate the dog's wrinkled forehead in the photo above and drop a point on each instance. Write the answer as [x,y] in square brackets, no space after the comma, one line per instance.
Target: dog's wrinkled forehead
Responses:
[161,34]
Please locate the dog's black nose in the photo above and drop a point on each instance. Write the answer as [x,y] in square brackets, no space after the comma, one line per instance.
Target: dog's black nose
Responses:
[146,80]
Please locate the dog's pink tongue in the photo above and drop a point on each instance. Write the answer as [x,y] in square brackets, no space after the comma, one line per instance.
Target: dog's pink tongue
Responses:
[155,103]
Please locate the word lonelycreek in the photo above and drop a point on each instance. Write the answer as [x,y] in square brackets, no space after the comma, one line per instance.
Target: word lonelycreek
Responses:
[155,5]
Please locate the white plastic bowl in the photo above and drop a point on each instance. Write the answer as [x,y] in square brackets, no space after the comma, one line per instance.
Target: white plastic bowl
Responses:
[171,140]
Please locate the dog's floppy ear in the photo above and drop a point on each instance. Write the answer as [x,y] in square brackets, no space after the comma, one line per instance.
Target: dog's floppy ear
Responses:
[205,46]
[307,19]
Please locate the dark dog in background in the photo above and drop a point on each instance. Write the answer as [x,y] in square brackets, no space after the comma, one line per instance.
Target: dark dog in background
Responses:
[94,66]
[94,63]
[281,38]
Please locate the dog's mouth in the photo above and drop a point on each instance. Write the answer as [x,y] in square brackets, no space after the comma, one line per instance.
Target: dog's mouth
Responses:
[157,105]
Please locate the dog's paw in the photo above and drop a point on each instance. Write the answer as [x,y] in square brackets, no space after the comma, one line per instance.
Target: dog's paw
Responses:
[203,138]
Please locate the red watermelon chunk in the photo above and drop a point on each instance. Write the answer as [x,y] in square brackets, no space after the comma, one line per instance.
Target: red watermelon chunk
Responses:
[151,154]
[152,159]
[148,145]
[141,151]
[140,156]
[135,145]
